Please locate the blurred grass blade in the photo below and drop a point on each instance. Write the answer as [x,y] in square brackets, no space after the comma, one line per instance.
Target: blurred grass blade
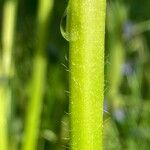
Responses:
[32,124]
[6,68]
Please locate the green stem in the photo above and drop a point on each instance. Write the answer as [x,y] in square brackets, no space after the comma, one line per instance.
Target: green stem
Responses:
[35,104]
[117,58]
[6,68]
[86,27]
[38,79]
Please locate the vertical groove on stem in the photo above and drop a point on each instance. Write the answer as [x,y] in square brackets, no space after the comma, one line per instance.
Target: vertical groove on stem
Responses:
[38,79]
[86,27]
[6,69]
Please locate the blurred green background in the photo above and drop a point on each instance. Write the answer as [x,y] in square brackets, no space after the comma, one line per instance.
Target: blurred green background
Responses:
[127,76]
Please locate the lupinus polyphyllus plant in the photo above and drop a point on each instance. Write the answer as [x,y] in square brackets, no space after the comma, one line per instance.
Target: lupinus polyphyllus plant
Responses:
[86,30]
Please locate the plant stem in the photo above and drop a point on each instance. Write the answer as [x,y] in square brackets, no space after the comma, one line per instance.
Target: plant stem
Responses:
[86,27]
[38,79]
[6,68]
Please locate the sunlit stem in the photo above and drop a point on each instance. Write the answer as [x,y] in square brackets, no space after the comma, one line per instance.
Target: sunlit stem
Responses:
[86,27]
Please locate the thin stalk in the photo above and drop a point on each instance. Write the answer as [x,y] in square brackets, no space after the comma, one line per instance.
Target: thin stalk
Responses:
[86,27]
[117,58]
[117,16]
[38,79]
[6,67]
[116,19]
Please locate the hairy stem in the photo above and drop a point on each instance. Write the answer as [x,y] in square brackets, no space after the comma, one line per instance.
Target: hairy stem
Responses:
[86,27]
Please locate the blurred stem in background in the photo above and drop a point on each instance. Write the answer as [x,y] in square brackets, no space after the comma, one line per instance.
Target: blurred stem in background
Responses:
[6,69]
[124,73]
[117,16]
[86,27]
[32,124]
[116,46]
